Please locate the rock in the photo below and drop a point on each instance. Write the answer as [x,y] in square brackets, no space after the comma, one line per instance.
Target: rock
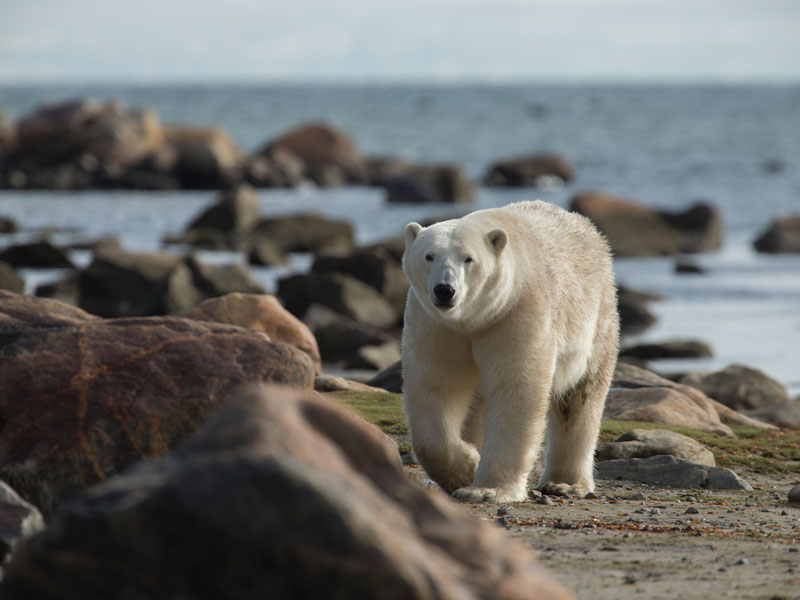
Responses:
[8,137]
[341,293]
[781,236]
[10,280]
[786,414]
[109,133]
[376,358]
[644,443]
[64,290]
[634,314]
[668,349]
[794,494]
[297,493]
[8,225]
[380,169]
[390,379]
[218,280]
[263,253]
[341,338]
[426,184]
[699,227]
[37,255]
[18,520]
[329,155]
[263,313]
[671,471]
[688,268]
[527,170]
[632,228]
[739,387]
[279,168]
[333,383]
[84,397]
[235,213]
[306,233]
[374,266]
[204,157]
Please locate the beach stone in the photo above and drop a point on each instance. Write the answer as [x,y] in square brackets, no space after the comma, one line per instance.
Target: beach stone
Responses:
[8,136]
[375,358]
[204,157]
[381,169]
[18,520]
[341,293]
[235,213]
[83,398]
[644,443]
[264,253]
[340,338]
[40,254]
[110,132]
[634,313]
[671,471]
[64,290]
[279,168]
[781,236]
[524,171]
[329,155]
[306,233]
[699,227]
[786,414]
[263,313]
[428,184]
[739,387]
[280,485]
[374,266]
[10,280]
[333,383]
[632,228]
[684,267]
[794,494]
[218,280]
[668,349]
[8,225]
[390,379]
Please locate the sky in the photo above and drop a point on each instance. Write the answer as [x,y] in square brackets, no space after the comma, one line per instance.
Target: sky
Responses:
[378,40]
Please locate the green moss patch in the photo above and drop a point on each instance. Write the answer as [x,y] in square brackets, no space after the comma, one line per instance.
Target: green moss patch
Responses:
[383,409]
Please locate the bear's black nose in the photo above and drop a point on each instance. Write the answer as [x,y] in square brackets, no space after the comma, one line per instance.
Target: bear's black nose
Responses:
[443,292]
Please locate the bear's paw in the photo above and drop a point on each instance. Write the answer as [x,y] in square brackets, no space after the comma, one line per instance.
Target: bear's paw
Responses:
[492,495]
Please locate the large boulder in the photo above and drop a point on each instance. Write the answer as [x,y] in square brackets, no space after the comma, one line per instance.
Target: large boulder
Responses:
[82,398]
[306,233]
[644,443]
[671,471]
[739,387]
[634,310]
[528,170]
[284,494]
[8,225]
[428,184]
[374,266]
[640,395]
[699,227]
[339,292]
[781,236]
[263,313]
[109,132]
[40,254]
[632,228]
[329,155]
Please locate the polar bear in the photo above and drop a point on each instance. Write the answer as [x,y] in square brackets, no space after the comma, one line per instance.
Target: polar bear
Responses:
[511,328]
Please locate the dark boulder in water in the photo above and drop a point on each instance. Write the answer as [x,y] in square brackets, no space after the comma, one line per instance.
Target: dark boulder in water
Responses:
[528,171]
[782,236]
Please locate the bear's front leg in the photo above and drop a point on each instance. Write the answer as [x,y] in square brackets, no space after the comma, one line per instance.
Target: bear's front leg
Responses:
[516,396]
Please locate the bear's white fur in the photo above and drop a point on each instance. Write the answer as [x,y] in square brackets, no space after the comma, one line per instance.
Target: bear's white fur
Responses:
[521,335]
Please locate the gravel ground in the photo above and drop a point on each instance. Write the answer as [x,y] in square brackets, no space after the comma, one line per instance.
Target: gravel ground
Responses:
[646,542]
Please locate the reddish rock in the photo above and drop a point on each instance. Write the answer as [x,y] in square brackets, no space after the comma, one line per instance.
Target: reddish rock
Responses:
[82,398]
[204,157]
[330,156]
[260,312]
[282,491]
[307,232]
[699,227]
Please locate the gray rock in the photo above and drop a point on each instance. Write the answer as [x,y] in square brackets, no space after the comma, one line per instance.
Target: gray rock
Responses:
[786,413]
[10,280]
[390,379]
[18,519]
[794,494]
[782,236]
[671,471]
[739,387]
[427,184]
[644,443]
[669,349]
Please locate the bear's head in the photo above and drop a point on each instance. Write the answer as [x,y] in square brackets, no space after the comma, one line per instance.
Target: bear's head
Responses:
[454,268]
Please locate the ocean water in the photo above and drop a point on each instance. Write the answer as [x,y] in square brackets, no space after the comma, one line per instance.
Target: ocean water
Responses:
[666,146]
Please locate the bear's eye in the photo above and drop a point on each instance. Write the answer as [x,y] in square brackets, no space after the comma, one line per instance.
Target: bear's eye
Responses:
[468,260]
[429,257]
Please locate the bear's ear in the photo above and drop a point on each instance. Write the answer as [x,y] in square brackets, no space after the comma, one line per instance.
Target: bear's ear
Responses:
[498,239]
[412,231]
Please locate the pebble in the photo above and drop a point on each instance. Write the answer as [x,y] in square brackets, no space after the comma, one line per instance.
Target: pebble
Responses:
[691,499]
[502,511]
[409,459]
[793,550]
[784,513]
[742,561]
[655,511]
[691,511]
[545,500]
[794,494]
[591,496]
[641,496]
[502,522]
